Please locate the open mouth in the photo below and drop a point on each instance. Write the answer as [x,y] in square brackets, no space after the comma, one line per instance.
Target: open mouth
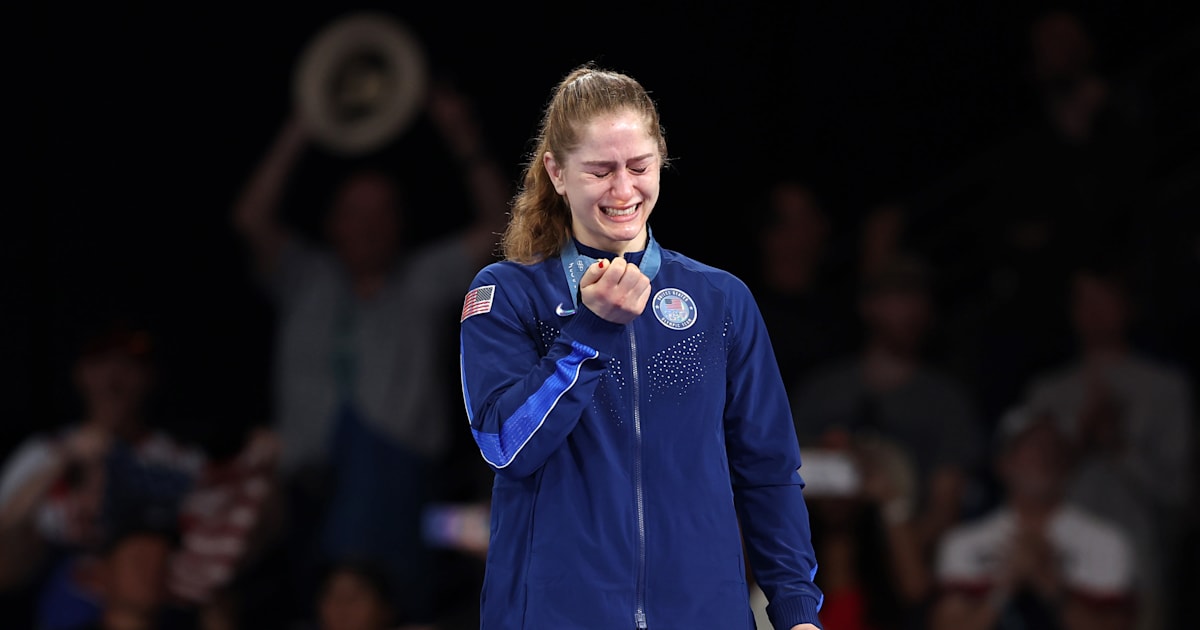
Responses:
[621,212]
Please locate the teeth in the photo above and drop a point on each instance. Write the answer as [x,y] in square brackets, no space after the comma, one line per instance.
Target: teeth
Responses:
[613,212]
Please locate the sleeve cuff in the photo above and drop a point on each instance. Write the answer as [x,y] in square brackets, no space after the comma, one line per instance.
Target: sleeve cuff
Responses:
[788,612]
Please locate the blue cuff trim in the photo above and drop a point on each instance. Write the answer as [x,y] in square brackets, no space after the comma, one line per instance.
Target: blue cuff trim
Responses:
[500,449]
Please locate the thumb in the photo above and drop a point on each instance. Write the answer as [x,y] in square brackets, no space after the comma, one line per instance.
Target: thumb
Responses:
[593,273]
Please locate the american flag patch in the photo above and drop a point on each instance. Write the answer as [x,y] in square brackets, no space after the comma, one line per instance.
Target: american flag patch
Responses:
[478,301]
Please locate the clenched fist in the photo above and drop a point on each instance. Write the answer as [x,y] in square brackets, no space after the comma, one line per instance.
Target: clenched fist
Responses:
[617,291]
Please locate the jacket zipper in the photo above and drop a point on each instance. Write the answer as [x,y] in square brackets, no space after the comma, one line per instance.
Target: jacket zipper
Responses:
[639,615]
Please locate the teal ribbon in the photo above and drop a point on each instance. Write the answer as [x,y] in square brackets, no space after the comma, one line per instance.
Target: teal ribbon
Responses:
[576,264]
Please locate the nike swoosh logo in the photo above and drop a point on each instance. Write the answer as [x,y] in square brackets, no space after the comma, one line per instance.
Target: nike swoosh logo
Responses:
[563,312]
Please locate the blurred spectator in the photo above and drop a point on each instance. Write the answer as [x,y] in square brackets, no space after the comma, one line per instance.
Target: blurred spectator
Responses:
[872,572]
[889,390]
[460,533]
[1062,191]
[227,523]
[890,230]
[804,314]
[1037,561]
[125,581]
[1168,309]
[1078,97]
[1129,418]
[883,238]
[354,596]
[362,408]
[1070,186]
[61,491]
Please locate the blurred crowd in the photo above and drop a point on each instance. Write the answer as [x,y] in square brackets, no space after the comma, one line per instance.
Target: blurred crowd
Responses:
[997,425]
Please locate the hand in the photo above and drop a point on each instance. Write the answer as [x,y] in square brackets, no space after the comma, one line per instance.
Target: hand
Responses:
[452,114]
[1030,560]
[804,626]
[1035,559]
[616,291]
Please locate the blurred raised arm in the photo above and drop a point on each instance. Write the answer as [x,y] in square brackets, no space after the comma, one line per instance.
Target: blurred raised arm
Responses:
[256,211]
[455,118]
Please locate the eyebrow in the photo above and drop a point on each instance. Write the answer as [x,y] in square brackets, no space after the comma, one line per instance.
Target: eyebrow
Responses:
[613,163]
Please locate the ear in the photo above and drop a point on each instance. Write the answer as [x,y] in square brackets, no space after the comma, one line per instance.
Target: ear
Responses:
[555,171]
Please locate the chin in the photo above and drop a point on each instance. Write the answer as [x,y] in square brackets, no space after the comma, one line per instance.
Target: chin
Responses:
[625,233]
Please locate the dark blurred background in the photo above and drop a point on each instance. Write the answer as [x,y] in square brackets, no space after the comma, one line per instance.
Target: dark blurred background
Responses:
[146,119]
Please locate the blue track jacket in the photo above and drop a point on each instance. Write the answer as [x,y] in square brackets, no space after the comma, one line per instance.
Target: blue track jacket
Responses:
[627,456]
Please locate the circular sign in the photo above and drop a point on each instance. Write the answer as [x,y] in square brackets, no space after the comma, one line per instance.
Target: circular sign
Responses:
[360,82]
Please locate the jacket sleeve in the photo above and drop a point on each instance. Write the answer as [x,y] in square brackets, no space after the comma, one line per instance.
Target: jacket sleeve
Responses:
[764,457]
[522,405]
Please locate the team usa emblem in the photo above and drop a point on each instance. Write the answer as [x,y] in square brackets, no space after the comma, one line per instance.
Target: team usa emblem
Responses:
[675,309]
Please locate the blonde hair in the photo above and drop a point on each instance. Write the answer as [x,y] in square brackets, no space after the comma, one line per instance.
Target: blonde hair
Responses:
[540,223]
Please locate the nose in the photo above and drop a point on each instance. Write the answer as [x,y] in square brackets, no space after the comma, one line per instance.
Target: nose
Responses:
[622,185]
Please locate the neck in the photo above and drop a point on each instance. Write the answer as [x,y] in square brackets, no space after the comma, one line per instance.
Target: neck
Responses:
[620,248]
